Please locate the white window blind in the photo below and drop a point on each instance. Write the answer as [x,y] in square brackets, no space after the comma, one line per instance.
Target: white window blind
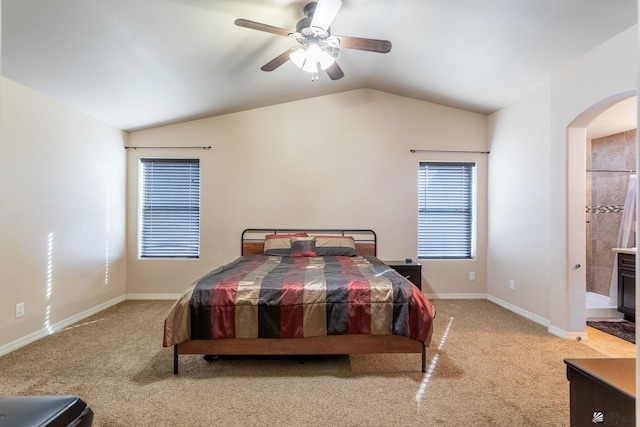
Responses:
[169,208]
[445,209]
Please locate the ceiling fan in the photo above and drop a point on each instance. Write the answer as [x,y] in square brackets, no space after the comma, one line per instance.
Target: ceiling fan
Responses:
[317,49]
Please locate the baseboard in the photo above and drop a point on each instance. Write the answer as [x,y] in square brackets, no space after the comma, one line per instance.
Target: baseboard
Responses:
[603,313]
[456,296]
[519,311]
[151,297]
[554,330]
[580,336]
[524,313]
[21,342]
[140,297]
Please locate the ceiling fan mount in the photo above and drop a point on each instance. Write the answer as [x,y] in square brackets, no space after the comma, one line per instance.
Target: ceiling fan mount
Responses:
[317,49]
[304,26]
[310,9]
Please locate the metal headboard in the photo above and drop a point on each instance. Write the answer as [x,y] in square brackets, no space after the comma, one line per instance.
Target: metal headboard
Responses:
[366,240]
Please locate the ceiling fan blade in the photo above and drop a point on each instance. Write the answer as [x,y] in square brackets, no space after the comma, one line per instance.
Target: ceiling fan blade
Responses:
[370,45]
[278,60]
[325,12]
[334,71]
[262,27]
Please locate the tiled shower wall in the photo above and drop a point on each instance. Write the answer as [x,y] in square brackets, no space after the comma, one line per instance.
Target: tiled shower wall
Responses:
[606,193]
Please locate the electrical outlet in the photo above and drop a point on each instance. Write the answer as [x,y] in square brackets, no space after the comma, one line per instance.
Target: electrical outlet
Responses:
[19,310]
[472,275]
[511,284]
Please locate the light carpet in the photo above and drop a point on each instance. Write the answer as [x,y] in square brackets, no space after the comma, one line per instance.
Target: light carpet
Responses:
[487,367]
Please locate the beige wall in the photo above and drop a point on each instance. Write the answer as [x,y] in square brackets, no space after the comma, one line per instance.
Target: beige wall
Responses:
[519,187]
[341,160]
[534,236]
[62,181]
[607,72]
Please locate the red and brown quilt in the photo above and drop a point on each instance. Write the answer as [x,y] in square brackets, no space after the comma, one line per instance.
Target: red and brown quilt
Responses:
[259,296]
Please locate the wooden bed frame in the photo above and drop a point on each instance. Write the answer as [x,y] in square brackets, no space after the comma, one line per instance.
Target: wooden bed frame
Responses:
[253,243]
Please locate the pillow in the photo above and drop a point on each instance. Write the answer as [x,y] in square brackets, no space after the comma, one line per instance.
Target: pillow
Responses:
[335,246]
[303,246]
[279,244]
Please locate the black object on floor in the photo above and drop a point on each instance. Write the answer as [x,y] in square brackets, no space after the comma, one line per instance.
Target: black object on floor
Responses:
[622,329]
[51,411]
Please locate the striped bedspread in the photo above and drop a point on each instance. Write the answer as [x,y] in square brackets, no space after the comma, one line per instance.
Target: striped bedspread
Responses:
[259,296]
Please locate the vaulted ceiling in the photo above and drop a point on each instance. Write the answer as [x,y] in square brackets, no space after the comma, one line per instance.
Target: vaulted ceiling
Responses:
[135,64]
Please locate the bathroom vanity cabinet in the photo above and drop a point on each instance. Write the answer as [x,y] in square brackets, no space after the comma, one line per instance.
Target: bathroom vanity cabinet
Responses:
[627,286]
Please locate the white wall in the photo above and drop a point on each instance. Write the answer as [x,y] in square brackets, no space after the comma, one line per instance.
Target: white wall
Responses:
[519,205]
[607,71]
[539,125]
[340,160]
[62,187]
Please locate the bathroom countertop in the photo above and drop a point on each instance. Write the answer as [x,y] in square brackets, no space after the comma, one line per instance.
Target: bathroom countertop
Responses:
[631,251]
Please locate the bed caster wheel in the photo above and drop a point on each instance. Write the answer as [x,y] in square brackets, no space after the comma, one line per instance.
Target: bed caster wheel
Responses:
[210,358]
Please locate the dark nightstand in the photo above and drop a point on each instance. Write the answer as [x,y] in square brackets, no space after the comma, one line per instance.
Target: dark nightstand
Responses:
[411,270]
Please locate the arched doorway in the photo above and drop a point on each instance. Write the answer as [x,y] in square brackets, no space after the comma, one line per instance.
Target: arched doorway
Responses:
[576,191]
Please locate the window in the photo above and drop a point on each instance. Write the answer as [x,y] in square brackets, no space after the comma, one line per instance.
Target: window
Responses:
[169,208]
[446,200]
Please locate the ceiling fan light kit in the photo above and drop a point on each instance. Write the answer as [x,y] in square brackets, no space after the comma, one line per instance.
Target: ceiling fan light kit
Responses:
[318,49]
[313,58]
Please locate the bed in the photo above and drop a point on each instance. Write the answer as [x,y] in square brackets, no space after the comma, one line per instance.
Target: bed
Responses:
[301,292]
